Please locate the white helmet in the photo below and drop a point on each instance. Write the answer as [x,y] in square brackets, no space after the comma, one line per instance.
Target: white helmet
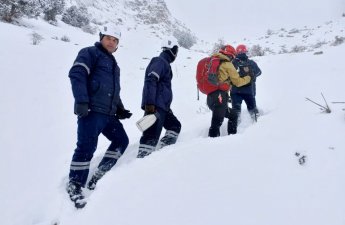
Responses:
[169,42]
[111,31]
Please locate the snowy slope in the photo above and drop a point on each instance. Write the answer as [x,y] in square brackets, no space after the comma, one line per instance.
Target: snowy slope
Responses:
[300,39]
[253,177]
[231,19]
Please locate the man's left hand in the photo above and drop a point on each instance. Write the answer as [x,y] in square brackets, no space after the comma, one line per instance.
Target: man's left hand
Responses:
[122,114]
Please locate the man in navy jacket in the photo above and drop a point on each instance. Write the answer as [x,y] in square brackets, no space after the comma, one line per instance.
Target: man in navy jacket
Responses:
[246,93]
[95,79]
[157,98]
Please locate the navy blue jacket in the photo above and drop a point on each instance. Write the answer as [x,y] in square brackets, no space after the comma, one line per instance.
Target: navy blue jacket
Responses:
[157,87]
[240,62]
[95,79]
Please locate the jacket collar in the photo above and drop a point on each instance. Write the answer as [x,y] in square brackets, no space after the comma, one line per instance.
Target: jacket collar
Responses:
[100,47]
[168,57]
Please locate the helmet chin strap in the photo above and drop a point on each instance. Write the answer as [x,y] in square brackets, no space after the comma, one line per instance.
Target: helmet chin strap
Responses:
[173,53]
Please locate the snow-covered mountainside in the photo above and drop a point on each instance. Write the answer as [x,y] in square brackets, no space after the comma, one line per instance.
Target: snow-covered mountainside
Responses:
[131,14]
[295,40]
[300,39]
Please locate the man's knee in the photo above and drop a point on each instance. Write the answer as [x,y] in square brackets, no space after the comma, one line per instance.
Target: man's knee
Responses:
[86,146]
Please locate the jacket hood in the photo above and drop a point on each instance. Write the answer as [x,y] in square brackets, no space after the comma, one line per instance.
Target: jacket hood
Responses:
[242,56]
[222,56]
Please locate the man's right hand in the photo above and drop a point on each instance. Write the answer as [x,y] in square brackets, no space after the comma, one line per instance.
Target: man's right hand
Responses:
[150,109]
[81,109]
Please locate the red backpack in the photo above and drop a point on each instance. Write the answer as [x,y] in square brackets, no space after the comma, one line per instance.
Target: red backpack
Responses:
[207,75]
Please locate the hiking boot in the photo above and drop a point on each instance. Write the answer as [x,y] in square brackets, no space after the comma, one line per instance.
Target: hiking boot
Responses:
[96,177]
[232,127]
[76,195]
[169,138]
[232,130]
[143,153]
[146,149]
[92,183]
[254,114]
[214,132]
[254,117]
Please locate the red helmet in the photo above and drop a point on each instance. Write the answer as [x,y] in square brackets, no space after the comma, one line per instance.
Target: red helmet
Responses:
[241,49]
[228,50]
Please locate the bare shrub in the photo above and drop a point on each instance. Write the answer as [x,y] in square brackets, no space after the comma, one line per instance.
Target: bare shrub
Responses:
[217,46]
[100,23]
[11,10]
[36,38]
[185,38]
[65,38]
[319,44]
[256,50]
[269,50]
[51,8]
[298,48]
[338,41]
[89,29]
[77,17]
[294,31]
[53,22]
[269,32]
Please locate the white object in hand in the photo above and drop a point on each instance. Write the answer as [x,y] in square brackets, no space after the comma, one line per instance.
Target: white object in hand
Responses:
[146,122]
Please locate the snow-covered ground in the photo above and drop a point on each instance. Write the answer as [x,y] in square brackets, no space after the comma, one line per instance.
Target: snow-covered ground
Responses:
[252,178]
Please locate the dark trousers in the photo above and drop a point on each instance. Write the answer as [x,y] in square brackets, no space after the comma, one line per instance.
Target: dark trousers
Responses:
[89,128]
[248,98]
[218,103]
[150,137]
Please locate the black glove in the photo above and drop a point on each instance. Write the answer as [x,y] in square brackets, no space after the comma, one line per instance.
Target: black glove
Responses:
[81,109]
[122,114]
[150,109]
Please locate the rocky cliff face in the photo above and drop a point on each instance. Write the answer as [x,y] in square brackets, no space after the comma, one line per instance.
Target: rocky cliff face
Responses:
[154,14]
[150,12]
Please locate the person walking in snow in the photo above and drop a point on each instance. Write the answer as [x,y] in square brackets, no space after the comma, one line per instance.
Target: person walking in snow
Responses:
[95,79]
[217,101]
[156,99]
[246,93]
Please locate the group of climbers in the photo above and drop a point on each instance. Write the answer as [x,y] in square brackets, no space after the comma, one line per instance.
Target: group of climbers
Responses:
[95,80]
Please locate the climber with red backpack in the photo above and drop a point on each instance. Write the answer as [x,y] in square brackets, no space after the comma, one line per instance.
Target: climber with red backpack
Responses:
[215,75]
